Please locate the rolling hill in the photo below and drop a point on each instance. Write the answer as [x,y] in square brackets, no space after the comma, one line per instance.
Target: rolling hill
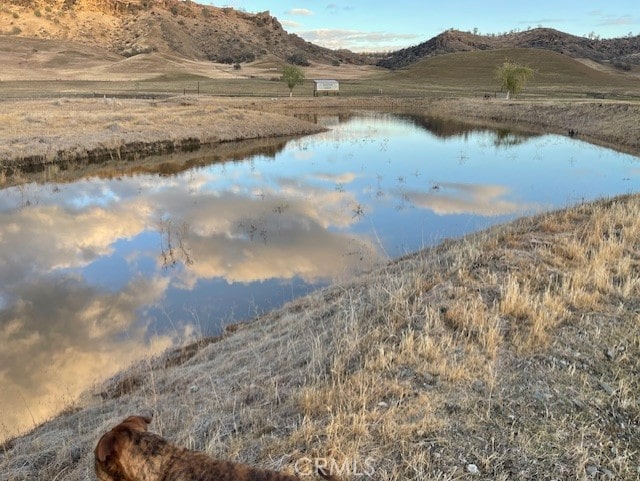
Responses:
[620,52]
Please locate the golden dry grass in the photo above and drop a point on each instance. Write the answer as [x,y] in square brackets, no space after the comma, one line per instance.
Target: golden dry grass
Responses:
[74,130]
[515,350]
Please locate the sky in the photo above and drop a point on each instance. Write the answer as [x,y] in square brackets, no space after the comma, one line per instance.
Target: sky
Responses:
[377,25]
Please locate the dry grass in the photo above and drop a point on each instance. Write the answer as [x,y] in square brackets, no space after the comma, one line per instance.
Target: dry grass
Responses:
[515,349]
[81,130]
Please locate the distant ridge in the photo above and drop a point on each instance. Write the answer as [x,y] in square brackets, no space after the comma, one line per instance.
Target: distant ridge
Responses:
[621,52]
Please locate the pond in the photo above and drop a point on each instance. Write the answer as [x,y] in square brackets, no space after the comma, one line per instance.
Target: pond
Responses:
[99,271]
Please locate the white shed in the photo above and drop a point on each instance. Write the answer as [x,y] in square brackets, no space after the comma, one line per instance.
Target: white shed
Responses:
[326,86]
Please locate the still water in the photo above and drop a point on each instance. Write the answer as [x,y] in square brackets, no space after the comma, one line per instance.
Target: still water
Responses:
[99,271]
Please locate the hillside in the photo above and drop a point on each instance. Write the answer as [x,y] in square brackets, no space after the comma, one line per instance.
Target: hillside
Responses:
[621,52]
[475,72]
[182,28]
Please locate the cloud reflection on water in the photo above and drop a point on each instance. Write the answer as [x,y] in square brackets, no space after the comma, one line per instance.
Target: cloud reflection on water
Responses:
[455,198]
[59,332]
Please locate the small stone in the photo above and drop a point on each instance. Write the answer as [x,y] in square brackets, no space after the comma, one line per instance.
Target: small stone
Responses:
[591,471]
[194,388]
[383,404]
[473,469]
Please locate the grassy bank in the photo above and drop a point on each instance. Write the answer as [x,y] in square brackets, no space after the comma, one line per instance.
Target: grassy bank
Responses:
[68,131]
[515,350]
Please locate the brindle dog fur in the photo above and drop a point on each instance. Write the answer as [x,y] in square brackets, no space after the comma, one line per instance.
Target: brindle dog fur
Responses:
[129,453]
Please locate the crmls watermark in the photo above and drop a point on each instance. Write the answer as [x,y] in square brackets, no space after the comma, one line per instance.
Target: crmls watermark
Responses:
[350,467]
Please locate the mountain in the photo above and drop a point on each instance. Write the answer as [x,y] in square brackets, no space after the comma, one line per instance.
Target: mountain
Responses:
[183,28]
[621,52]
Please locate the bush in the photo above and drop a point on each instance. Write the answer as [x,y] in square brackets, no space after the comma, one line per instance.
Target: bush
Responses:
[622,65]
[298,59]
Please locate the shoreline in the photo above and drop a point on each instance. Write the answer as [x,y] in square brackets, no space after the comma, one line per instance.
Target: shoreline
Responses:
[37,133]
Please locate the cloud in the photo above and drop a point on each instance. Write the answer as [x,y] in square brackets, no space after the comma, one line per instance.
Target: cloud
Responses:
[616,21]
[458,198]
[62,336]
[280,234]
[303,12]
[357,40]
[290,24]
[607,20]
[334,8]
[542,21]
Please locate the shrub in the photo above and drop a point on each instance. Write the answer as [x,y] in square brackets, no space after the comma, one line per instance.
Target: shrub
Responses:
[619,64]
[298,59]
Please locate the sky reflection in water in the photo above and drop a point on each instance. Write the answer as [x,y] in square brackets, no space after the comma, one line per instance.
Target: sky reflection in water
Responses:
[99,272]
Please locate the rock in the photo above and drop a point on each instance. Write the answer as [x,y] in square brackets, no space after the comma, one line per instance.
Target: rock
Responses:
[591,470]
[473,469]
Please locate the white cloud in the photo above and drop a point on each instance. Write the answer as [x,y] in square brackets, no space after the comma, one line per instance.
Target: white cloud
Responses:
[290,24]
[612,20]
[357,40]
[477,199]
[303,12]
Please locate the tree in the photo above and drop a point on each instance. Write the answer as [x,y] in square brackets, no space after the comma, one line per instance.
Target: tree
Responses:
[513,77]
[293,76]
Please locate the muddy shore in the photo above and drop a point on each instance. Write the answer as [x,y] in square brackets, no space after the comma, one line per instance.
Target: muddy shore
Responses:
[67,131]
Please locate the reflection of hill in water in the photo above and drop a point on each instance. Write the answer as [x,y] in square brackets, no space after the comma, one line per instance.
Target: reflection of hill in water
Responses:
[438,126]
[445,128]
[167,164]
